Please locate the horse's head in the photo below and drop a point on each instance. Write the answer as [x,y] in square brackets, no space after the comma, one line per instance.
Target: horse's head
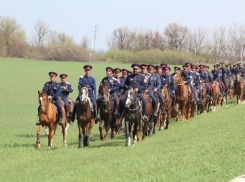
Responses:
[131,97]
[83,95]
[177,78]
[104,93]
[239,78]
[42,99]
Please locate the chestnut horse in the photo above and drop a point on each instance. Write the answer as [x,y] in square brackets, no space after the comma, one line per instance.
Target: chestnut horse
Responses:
[217,101]
[107,110]
[182,98]
[132,114]
[164,118]
[85,119]
[239,88]
[205,100]
[149,114]
[47,117]
[69,114]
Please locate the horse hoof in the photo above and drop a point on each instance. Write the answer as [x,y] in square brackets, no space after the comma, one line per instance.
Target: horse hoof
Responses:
[49,147]
[38,146]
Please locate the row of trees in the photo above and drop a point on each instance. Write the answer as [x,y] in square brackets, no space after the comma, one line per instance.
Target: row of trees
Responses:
[45,43]
[220,44]
[175,44]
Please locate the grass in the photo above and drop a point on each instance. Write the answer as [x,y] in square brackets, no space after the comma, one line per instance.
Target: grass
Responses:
[209,147]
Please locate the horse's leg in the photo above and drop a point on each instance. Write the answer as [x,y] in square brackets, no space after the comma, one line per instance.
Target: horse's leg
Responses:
[79,135]
[46,131]
[113,127]
[64,133]
[167,121]
[38,136]
[150,125]
[138,131]
[84,135]
[101,129]
[144,128]
[135,133]
[66,129]
[106,127]
[50,136]
[127,133]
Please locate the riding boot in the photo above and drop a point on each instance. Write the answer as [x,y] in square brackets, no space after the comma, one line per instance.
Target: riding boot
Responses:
[60,118]
[74,112]
[155,111]
[174,105]
[116,113]
[97,119]
[163,108]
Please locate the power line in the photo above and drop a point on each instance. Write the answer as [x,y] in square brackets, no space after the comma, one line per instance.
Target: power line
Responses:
[95,35]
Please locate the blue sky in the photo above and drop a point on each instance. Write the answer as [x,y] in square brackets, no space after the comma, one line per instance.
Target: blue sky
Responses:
[78,17]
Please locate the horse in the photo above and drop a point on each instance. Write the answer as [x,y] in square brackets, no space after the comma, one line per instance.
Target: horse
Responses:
[182,98]
[226,83]
[132,115]
[164,118]
[231,88]
[239,88]
[217,101]
[149,114]
[107,110]
[85,119]
[48,117]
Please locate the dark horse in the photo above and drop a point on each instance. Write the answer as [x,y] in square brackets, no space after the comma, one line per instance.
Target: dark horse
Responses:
[47,117]
[132,114]
[107,113]
[226,82]
[85,119]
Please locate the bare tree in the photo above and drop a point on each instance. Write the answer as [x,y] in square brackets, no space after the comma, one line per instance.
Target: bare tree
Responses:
[41,30]
[85,43]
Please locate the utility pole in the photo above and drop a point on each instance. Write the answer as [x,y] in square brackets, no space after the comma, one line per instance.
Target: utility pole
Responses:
[95,36]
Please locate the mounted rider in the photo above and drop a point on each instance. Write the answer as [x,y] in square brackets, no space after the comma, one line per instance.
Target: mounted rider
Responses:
[53,90]
[196,82]
[89,82]
[66,89]
[204,76]
[137,82]
[187,76]
[240,70]
[217,74]
[154,87]
[113,87]
[147,79]
[167,79]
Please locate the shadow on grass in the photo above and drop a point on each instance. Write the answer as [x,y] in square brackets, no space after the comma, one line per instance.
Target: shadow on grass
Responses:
[16,145]
[31,136]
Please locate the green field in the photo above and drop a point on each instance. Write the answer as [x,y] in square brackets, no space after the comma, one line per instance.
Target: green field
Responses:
[209,147]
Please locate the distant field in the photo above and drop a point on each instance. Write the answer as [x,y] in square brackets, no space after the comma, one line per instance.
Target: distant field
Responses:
[209,147]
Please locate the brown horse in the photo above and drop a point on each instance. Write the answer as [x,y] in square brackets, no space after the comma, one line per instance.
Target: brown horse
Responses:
[164,118]
[149,114]
[47,117]
[239,88]
[107,110]
[231,88]
[215,104]
[205,100]
[182,99]
[85,119]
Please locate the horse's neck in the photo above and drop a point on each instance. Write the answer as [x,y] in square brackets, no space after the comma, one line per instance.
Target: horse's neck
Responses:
[85,108]
[135,103]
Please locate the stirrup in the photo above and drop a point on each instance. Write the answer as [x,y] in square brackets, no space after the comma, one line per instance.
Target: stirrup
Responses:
[60,121]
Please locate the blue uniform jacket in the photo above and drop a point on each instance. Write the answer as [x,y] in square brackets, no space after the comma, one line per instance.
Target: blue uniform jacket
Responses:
[168,80]
[217,74]
[187,76]
[146,78]
[196,78]
[112,83]
[204,76]
[135,81]
[68,90]
[154,82]
[89,82]
[122,81]
[241,70]
[53,89]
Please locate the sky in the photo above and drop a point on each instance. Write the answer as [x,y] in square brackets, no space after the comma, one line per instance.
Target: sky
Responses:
[78,18]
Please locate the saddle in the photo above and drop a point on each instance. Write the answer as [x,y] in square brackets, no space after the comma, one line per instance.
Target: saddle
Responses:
[55,108]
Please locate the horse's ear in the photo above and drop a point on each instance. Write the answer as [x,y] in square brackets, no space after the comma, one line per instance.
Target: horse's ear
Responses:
[38,91]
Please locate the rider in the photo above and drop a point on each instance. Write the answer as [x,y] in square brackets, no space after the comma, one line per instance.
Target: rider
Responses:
[187,75]
[136,81]
[87,81]
[120,80]
[53,90]
[113,88]
[66,88]
[159,70]
[196,82]
[204,76]
[217,74]
[168,80]
[154,86]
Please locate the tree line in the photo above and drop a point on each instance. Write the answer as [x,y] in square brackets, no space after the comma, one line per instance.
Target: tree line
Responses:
[176,44]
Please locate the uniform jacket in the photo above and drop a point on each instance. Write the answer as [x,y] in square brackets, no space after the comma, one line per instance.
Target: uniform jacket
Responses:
[68,90]
[89,82]
[111,83]
[53,89]
[135,81]
[168,80]
[154,82]
[187,76]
